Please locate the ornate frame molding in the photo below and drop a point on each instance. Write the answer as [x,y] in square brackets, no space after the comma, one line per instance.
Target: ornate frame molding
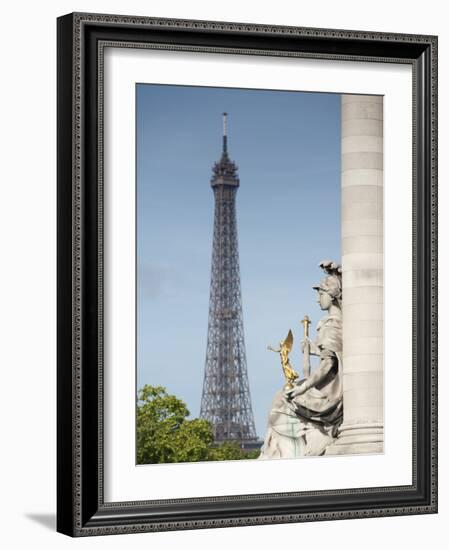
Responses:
[81,41]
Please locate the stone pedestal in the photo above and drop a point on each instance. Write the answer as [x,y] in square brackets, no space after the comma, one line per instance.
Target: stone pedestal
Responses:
[362,263]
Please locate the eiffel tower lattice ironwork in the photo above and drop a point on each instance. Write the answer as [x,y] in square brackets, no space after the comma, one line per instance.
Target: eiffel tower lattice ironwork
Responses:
[226,399]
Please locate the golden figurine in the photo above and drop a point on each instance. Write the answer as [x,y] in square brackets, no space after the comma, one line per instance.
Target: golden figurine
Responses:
[284,350]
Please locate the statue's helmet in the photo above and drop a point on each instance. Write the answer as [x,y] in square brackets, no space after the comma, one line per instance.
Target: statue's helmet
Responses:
[331,284]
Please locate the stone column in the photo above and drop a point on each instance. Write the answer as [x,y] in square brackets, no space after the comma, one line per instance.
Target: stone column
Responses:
[362,263]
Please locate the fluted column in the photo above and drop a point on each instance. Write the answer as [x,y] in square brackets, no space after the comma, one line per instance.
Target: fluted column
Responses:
[362,263]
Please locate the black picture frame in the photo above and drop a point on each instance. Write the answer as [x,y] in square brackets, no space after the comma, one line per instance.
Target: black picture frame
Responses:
[81,510]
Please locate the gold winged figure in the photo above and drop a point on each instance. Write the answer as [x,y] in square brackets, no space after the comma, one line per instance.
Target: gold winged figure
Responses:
[284,350]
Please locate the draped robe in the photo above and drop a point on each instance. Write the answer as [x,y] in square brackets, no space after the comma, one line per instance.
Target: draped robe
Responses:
[306,424]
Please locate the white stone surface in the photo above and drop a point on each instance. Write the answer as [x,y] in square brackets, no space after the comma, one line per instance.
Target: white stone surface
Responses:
[362,363]
[372,294]
[366,143]
[362,127]
[362,263]
[351,228]
[364,277]
[362,177]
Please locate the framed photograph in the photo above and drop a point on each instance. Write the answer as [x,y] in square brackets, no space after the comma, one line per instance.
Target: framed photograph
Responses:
[247,276]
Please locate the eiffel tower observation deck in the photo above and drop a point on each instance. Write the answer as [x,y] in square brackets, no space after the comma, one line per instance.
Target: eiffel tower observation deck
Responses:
[226,399]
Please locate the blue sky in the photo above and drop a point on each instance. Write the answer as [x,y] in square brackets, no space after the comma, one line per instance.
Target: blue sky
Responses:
[287,147]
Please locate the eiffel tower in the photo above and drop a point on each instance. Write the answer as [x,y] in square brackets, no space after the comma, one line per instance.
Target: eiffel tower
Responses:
[226,399]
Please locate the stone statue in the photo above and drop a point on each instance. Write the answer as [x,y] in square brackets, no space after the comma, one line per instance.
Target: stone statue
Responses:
[304,420]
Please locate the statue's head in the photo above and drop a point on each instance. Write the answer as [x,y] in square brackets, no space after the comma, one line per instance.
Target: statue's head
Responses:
[330,288]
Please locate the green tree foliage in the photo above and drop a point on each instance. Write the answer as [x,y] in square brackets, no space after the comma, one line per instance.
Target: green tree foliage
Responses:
[230,451]
[164,434]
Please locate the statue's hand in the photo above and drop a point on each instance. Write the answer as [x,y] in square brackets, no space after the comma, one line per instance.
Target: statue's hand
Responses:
[299,389]
[311,347]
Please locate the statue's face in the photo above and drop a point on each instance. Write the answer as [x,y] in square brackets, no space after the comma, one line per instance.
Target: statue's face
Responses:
[324,300]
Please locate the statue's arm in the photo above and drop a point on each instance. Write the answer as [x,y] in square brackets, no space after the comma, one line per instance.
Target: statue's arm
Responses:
[313,347]
[326,364]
